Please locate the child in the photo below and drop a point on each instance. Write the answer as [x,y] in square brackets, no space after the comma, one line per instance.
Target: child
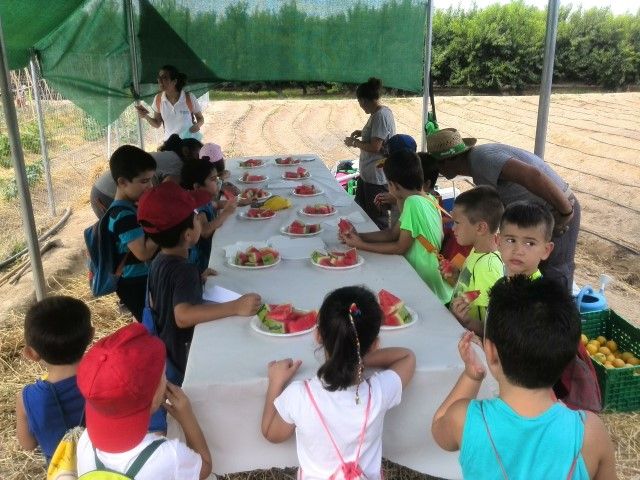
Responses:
[201,175]
[476,216]
[525,238]
[532,333]
[418,233]
[122,380]
[57,331]
[167,215]
[213,153]
[338,402]
[132,169]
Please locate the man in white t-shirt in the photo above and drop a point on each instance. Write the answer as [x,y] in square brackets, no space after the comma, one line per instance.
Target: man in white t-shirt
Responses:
[122,379]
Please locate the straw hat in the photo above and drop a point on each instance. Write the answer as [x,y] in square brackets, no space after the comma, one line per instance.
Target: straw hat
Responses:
[447,143]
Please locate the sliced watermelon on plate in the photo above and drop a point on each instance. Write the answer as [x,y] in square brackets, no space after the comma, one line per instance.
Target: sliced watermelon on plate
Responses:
[302,322]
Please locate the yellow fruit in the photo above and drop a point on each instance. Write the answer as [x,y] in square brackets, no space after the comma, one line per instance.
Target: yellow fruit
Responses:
[634,361]
[601,339]
[626,356]
[583,339]
[618,363]
[608,365]
[277,203]
[613,346]
[600,358]
[592,348]
[617,354]
[610,357]
[604,350]
[594,342]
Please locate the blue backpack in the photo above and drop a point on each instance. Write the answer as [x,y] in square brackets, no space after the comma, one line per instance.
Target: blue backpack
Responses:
[101,251]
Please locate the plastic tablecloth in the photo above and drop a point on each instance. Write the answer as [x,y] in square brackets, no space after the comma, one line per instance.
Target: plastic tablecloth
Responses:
[226,376]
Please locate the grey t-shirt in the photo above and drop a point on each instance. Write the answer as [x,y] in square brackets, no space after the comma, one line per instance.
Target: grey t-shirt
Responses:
[380,125]
[167,163]
[487,161]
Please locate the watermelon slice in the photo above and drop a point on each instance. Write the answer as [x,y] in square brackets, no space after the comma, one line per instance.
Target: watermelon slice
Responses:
[228,194]
[350,257]
[446,267]
[395,311]
[302,322]
[471,295]
[345,226]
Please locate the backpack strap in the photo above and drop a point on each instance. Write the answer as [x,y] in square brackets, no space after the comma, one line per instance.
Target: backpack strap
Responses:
[493,445]
[125,205]
[326,428]
[139,462]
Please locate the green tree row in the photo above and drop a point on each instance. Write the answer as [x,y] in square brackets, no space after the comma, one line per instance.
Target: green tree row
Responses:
[502,46]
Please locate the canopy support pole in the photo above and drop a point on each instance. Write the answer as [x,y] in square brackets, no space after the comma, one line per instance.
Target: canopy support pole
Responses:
[547,77]
[427,71]
[35,79]
[134,64]
[17,155]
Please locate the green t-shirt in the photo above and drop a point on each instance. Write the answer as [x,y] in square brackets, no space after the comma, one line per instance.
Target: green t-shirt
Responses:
[479,272]
[421,217]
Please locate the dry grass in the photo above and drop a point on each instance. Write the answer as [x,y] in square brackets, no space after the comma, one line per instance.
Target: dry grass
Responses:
[15,372]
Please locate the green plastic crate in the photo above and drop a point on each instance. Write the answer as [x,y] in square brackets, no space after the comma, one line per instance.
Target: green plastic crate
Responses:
[620,386]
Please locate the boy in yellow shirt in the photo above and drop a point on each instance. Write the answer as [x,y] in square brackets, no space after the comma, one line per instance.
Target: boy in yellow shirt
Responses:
[476,216]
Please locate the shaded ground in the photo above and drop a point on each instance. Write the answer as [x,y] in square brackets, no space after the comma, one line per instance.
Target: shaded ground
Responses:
[593,142]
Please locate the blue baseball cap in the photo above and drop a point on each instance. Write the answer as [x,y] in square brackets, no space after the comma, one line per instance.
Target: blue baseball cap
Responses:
[400,142]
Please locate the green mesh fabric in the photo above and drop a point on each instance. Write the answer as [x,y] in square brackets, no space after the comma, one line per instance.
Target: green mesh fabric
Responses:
[84,50]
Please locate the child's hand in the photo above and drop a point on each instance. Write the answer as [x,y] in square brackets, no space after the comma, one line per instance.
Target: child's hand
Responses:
[230,206]
[142,111]
[459,307]
[473,368]
[352,239]
[281,371]
[248,304]
[209,272]
[384,199]
[448,271]
[178,404]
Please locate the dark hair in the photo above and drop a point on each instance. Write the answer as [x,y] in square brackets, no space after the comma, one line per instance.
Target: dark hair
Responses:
[129,161]
[173,144]
[171,237]
[404,168]
[339,371]
[191,145]
[58,329]
[175,74]
[370,90]
[429,169]
[525,214]
[219,166]
[482,204]
[535,327]
[195,171]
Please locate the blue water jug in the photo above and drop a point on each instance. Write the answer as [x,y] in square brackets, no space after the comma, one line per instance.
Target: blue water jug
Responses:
[590,300]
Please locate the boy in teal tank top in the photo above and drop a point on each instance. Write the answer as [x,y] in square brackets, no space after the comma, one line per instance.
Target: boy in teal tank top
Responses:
[531,334]
[476,216]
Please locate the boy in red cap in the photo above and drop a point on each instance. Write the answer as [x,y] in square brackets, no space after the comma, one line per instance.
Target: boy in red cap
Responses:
[167,215]
[122,380]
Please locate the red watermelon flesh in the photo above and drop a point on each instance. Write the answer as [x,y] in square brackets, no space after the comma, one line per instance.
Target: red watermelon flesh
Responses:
[280,312]
[302,322]
[446,267]
[471,295]
[345,226]
[351,257]
[301,172]
[388,302]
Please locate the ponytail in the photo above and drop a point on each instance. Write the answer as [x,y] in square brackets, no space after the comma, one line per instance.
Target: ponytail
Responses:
[348,323]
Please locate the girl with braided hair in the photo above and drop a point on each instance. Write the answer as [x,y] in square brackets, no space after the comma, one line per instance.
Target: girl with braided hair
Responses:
[338,414]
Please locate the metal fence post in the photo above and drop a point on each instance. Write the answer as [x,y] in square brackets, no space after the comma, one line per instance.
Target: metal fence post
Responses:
[427,71]
[547,77]
[35,79]
[21,175]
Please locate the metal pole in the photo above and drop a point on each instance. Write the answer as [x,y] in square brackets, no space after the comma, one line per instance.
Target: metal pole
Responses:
[427,71]
[21,175]
[134,63]
[35,79]
[547,77]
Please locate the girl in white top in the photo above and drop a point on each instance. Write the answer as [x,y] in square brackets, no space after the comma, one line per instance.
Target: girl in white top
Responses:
[175,111]
[338,415]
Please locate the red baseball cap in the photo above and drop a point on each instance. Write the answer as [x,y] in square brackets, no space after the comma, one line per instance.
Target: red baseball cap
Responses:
[167,205]
[118,377]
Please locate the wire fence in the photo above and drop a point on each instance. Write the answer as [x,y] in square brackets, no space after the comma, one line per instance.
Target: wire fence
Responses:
[78,151]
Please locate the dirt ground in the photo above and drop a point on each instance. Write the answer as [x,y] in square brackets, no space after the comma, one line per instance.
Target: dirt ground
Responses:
[593,142]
